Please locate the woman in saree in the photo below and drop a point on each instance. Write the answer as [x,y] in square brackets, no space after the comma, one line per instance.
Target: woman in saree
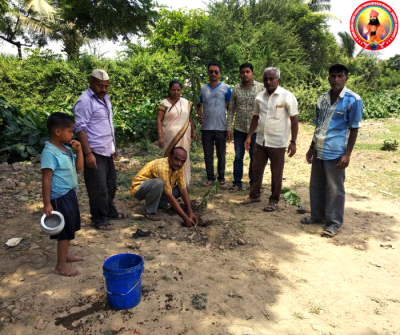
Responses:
[175,124]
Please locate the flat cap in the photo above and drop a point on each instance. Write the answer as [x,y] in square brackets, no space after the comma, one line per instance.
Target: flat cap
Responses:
[100,74]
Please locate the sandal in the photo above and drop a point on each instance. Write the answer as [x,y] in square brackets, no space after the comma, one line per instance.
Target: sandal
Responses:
[301,210]
[270,207]
[329,231]
[103,225]
[222,185]
[207,183]
[141,233]
[152,217]
[248,200]
[235,189]
[118,216]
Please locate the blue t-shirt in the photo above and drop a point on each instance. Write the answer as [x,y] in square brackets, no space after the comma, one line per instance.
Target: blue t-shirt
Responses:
[65,177]
[334,121]
[214,100]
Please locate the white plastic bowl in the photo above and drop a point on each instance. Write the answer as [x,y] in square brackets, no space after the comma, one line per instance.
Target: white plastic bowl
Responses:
[53,224]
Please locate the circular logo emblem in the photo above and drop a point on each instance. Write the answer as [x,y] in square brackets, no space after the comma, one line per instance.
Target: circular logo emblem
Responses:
[374,25]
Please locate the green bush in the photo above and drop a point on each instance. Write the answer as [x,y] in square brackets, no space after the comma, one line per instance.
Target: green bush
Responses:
[381,104]
[390,145]
[21,136]
[44,81]
[137,123]
[307,96]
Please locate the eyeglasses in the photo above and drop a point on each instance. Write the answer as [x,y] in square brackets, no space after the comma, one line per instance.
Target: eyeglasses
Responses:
[270,78]
[213,71]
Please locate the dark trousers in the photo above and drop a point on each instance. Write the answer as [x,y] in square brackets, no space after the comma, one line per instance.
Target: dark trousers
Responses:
[327,193]
[239,138]
[209,139]
[101,185]
[277,161]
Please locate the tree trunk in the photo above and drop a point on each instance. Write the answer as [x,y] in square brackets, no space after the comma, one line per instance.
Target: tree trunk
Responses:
[19,50]
[72,40]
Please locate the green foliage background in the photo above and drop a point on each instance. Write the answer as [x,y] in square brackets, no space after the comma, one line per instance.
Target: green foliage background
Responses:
[287,34]
[21,135]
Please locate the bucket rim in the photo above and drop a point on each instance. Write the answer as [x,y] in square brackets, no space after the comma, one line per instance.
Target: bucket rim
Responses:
[138,266]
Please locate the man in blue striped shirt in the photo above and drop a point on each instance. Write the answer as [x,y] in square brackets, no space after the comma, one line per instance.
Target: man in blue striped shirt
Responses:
[338,117]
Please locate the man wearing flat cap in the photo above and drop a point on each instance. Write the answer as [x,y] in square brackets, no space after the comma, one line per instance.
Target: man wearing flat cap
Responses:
[374,27]
[95,131]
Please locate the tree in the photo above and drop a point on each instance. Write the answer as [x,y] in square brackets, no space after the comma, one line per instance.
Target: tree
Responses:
[394,62]
[25,22]
[3,6]
[284,33]
[183,32]
[348,43]
[260,32]
[107,19]
[390,78]
[318,5]
[321,7]
[180,30]
[319,44]
[366,70]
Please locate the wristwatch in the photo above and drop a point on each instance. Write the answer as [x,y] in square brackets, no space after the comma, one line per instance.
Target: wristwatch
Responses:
[293,141]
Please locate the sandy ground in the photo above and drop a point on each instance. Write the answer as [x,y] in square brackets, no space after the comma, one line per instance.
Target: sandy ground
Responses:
[260,273]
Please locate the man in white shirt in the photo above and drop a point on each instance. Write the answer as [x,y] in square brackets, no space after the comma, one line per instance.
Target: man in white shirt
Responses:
[275,119]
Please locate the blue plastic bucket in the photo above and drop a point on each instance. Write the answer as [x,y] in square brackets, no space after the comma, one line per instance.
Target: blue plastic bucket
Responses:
[123,275]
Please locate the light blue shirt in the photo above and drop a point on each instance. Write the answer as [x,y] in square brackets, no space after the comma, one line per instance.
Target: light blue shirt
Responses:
[95,117]
[214,101]
[334,121]
[65,177]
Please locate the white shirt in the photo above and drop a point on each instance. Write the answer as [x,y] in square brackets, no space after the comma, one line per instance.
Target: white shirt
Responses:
[274,113]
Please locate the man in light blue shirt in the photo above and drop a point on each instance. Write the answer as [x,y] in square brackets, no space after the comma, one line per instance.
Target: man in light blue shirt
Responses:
[214,97]
[338,117]
[95,131]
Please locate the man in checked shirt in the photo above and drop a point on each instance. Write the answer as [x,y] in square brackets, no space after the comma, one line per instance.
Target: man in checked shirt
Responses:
[241,107]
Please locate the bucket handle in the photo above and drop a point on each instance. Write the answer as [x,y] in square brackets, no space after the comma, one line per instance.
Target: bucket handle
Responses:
[137,283]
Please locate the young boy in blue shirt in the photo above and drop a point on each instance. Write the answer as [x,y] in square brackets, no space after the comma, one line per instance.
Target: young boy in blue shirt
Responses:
[60,184]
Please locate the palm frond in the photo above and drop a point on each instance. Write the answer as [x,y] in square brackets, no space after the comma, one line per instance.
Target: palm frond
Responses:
[40,8]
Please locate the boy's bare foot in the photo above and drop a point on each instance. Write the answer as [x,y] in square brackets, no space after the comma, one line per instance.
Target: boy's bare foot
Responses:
[66,271]
[71,258]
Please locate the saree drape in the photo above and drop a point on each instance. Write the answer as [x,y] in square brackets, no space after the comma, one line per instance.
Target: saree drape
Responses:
[176,129]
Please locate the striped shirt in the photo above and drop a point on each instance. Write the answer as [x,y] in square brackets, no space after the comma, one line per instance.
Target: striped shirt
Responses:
[159,168]
[334,121]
